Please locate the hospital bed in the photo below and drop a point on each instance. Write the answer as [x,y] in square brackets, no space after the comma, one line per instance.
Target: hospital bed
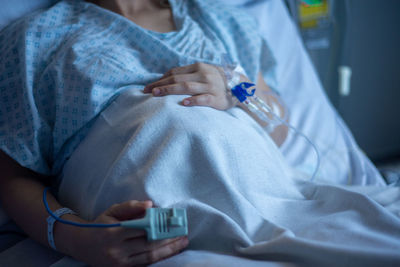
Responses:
[310,112]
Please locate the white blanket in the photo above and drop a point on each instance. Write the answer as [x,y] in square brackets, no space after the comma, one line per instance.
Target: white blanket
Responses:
[241,196]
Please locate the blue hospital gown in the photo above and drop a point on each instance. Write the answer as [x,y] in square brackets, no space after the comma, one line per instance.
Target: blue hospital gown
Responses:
[61,67]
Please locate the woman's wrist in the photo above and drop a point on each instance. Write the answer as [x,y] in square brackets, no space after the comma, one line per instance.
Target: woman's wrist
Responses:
[68,238]
[278,132]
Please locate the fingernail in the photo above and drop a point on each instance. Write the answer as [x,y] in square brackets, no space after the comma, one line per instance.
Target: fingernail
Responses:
[156,91]
[186,102]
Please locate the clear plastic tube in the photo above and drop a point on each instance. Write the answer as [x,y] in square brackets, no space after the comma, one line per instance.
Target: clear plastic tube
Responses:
[258,107]
[265,113]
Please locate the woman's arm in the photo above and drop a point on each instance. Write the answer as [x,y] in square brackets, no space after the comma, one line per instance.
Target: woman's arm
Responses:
[21,196]
[280,133]
[206,85]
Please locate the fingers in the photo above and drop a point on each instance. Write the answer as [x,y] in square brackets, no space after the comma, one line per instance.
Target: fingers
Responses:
[185,88]
[122,233]
[198,72]
[143,245]
[119,246]
[202,81]
[184,70]
[206,100]
[129,210]
[133,254]
[175,79]
[161,250]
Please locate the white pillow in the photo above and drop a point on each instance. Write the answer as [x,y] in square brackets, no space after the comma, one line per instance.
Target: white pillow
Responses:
[14,9]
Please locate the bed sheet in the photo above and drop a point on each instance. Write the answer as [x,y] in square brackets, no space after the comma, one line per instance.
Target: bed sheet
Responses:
[240,200]
[30,253]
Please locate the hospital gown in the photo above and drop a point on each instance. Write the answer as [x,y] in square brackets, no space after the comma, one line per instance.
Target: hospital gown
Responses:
[61,67]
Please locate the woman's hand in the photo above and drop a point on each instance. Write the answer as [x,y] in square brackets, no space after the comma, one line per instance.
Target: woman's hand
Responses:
[207,86]
[205,83]
[123,246]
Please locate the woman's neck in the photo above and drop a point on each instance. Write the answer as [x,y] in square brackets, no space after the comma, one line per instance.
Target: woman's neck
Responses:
[128,7]
[149,14]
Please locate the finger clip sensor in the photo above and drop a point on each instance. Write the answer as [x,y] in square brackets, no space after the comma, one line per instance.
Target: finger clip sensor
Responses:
[160,223]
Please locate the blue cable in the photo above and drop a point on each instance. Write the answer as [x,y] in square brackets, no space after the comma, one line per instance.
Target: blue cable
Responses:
[89,225]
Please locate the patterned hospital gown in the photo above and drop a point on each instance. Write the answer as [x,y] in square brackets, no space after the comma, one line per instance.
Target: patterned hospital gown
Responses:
[61,67]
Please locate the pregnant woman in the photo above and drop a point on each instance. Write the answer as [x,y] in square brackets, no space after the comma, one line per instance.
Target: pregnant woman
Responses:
[121,105]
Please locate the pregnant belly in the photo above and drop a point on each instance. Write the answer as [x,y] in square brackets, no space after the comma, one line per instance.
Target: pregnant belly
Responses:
[142,147]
